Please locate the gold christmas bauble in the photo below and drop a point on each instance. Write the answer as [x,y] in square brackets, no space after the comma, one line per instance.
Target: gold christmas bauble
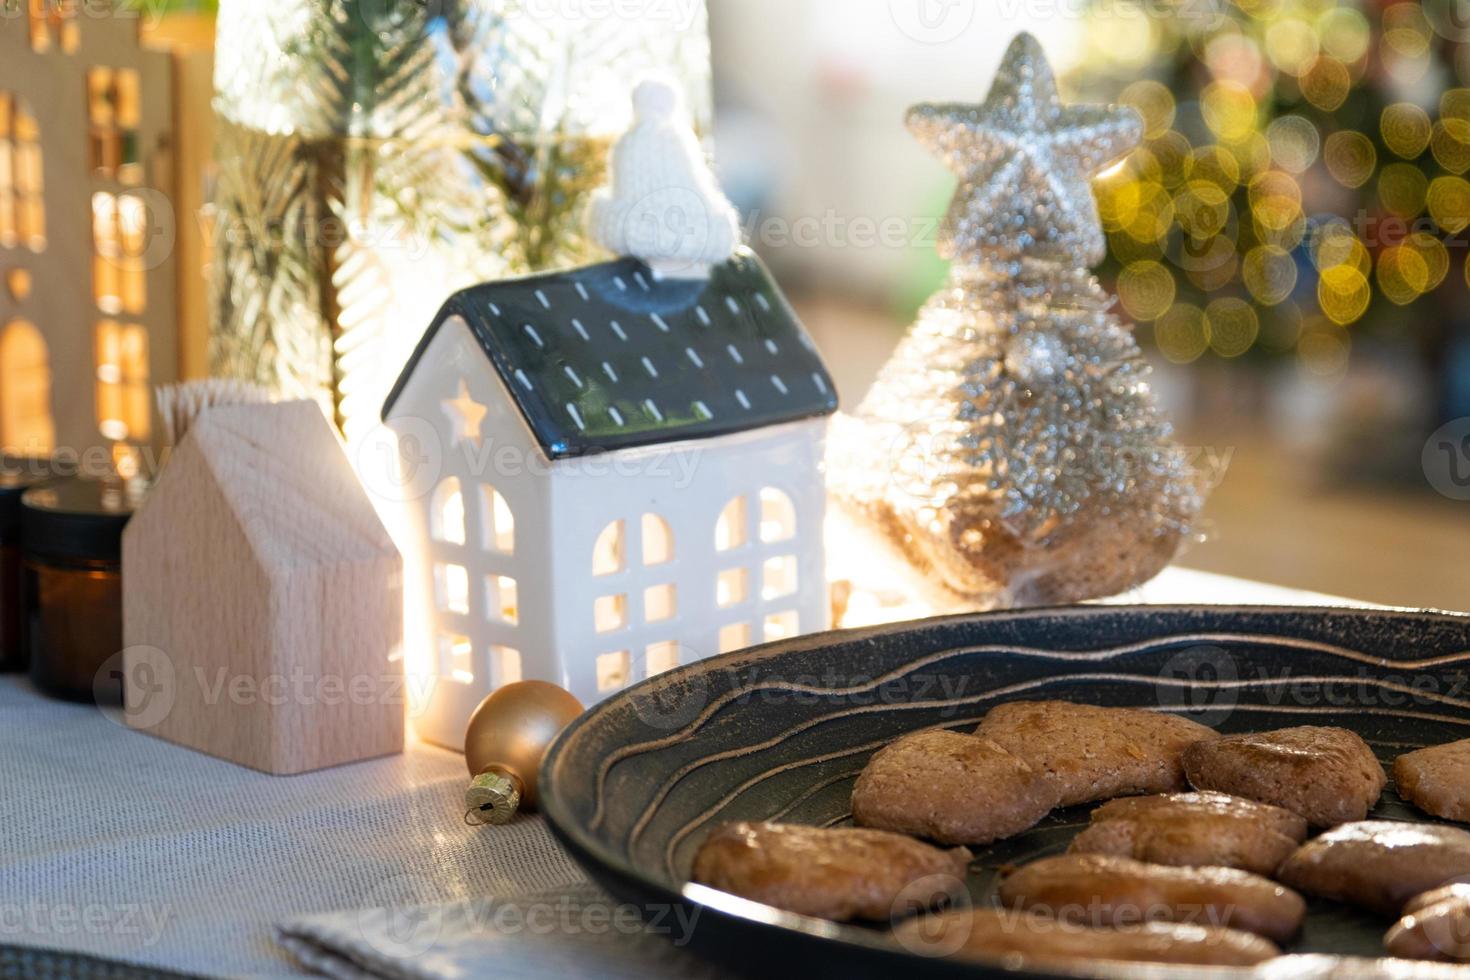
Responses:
[507,736]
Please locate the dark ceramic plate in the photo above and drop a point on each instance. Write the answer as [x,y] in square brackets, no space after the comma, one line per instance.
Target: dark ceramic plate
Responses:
[781,731]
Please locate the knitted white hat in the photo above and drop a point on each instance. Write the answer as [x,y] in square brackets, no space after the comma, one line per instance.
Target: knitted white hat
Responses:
[662,204]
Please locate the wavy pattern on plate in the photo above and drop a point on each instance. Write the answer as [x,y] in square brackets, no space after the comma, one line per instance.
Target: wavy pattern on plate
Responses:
[1170,643]
[781,732]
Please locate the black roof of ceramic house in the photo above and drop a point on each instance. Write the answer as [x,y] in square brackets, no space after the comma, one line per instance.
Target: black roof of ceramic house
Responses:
[608,357]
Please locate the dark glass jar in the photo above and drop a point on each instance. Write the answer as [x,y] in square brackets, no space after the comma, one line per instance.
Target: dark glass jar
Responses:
[17,475]
[72,539]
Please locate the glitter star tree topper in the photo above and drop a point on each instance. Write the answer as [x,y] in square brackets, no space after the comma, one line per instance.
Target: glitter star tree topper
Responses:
[1011,450]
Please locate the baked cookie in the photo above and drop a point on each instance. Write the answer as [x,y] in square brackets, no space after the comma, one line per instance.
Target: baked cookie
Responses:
[1194,830]
[1437,779]
[1273,818]
[1094,753]
[1435,926]
[1378,864]
[1328,775]
[952,788]
[1102,890]
[995,933]
[834,873]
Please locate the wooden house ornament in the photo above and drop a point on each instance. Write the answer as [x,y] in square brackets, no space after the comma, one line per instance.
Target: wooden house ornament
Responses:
[263,597]
[627,458]
[105,131]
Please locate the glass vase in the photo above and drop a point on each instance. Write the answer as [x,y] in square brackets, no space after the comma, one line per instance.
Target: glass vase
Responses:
[374,156]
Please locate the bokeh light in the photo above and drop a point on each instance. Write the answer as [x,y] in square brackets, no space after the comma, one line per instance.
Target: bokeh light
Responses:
[1276,201]
[1270,274]
[1405,128]
[1202,209]
[1231,325]
[1213,164]
[1403,275]
[1292,45]
[1294,143]
[1350,157]
[1182,334]
[1146,289]
[1344,33]
[1173,156]
[1305,173]
[1449,202]
[1326,83]
[1229,110]
[1343,293]
[1450,144]
[1154,102]
[1402,188]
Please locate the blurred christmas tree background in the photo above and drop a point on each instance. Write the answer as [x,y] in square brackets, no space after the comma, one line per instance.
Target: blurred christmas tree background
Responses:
[1301,191]
[1291,243]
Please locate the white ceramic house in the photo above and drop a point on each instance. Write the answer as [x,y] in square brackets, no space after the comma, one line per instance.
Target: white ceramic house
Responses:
[631,477]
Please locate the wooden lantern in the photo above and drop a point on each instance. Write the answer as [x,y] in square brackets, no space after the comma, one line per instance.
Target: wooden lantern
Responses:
[105,133]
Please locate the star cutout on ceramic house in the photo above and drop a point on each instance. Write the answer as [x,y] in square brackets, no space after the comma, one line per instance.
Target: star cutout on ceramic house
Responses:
[1025,162]
[465,415]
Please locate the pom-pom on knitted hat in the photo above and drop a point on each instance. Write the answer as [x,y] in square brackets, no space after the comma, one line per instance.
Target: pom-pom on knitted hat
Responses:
[662,203]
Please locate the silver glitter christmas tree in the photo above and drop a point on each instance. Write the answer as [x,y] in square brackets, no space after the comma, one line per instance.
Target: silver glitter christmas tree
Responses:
[1011,450]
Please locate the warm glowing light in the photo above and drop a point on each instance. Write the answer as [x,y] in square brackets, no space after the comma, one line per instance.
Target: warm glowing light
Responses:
[1252,153]
[1173,158]
[1231,325]
[1221,234]
[1236,60]
[1153,215]
[1455,104]
[22,178]
[1343,293]
[1126,36]
[1212,164]
[1326,84]
[1154,102]
[1344,33]
[1406,31]
[1434,254]
[1146,289]
[1403,275]
[1229,110]
[1291,44]
[26,425]
[1269,273]
[1350,158]
[1276,200]
[1450,143]
[1212,264]
[1405,129]
[1294,143]
[1182,333]
[1202,209]
[124,401]
[1402,188]
[1449,202]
